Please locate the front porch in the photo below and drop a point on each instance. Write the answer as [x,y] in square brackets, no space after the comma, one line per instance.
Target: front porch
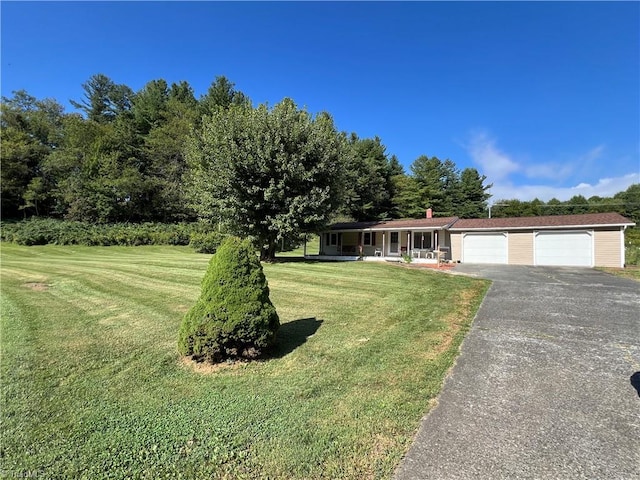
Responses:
[418,245]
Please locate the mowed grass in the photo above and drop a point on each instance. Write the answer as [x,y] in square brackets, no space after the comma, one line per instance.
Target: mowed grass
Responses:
[632,272]
[93,387]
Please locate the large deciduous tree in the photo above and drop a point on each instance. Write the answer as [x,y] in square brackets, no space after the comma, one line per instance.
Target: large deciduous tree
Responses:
[30,129]
[269,174]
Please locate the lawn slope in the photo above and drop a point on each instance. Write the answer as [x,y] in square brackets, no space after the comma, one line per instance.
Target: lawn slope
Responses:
[92,386]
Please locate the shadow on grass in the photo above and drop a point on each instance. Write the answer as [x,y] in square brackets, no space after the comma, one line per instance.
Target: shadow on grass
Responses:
[293,260]
[293,334]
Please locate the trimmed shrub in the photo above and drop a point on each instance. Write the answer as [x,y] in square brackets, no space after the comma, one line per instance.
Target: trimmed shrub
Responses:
[234,317]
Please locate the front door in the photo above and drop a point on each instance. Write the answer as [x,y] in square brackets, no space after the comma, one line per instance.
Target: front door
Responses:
[394,243]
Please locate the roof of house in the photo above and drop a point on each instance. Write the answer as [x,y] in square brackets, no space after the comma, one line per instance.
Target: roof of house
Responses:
[549,221]
[427,223]
[513,223]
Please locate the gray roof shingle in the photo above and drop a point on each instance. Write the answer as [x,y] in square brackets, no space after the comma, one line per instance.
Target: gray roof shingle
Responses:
[438,222]
[456,224]
[548,221]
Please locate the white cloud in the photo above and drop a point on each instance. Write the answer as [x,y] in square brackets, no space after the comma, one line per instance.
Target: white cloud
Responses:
[499,166]
[495,164]
[593,154]
[549,171]
[562,170]
[605,187]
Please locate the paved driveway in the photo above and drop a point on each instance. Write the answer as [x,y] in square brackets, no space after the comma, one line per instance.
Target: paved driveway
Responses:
[543,387]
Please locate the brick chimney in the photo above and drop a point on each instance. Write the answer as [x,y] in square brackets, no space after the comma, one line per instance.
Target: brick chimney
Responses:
[429,213]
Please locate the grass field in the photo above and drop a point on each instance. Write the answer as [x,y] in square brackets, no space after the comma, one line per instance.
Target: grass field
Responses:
[92,386]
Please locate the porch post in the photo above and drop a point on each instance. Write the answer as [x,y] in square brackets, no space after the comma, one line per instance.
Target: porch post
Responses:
[383,251]
[409,242]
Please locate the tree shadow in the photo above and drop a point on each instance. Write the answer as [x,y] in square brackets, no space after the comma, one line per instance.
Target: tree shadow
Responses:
[635,382]
[293,334]
[294,260]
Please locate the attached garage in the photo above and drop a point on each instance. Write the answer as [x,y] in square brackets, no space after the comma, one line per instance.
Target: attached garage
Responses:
[566,248]
[586,240]
[484,248]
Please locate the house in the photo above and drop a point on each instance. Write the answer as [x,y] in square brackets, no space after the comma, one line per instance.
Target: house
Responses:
[587,240]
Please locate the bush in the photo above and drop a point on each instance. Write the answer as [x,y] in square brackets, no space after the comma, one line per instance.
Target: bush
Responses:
[632,246]
[42,231]
[206,242]
[234,317]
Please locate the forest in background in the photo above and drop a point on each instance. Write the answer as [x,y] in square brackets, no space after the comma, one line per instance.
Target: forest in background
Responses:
[124,157]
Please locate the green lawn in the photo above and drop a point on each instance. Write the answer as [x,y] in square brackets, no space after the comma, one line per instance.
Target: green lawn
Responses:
[92,386]
[313,247]
[629,272]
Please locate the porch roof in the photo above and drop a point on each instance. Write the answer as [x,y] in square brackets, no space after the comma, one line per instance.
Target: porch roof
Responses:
[437,223]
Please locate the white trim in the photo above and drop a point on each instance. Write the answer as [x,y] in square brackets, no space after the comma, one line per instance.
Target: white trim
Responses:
[425,234]
[371,235]
[399,252]
[623,252]
[337,239]
[383,250]
[505,234]
[588,232]
[411,229]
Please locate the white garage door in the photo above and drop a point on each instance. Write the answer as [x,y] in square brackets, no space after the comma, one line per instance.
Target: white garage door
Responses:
[573,249]
[484,248]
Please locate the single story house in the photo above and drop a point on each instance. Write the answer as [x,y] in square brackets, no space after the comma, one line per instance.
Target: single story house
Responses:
[587,240]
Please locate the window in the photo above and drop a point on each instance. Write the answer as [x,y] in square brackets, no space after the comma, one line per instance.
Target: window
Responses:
[331,239]
[369,238]
[422,240]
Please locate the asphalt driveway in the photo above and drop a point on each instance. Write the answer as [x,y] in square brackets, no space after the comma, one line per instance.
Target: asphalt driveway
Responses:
[544,387]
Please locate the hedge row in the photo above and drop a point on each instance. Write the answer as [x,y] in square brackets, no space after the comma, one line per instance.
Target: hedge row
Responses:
[57,232]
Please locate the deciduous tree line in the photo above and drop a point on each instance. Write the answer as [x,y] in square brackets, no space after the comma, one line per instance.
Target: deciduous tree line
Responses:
[160,154]
[626,203]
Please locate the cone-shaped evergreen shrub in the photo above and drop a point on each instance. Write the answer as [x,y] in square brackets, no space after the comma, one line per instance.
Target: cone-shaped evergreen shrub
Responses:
[233,316]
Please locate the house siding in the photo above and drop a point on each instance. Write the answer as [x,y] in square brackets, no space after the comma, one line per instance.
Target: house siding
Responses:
[520,248]
[607,248]
[456,247]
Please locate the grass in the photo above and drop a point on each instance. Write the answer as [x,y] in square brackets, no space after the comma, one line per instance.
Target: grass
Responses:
[313,247]
[628,272]
[92,386]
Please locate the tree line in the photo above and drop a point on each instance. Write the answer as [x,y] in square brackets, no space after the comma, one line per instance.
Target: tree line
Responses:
[626,203]
[161,155]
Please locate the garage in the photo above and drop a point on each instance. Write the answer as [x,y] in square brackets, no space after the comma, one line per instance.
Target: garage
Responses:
[583,240]
[484,248]
[567,248]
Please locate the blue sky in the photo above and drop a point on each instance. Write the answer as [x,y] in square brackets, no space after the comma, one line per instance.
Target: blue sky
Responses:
[542,97]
